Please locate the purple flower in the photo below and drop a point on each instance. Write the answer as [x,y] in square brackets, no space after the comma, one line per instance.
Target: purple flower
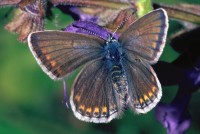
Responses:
[101,12]
[184,72]
[83,16]
[175,116]
[90,28]
[192,80]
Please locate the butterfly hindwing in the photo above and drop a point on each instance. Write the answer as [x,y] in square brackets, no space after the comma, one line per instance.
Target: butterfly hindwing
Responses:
[144,87]
[59,53]
[146,37]
[93,98]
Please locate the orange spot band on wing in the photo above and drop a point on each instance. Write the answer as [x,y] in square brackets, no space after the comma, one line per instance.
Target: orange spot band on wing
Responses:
[150,94]
[145,97]
[48,57]
[153,88]
[104,109]
[82,107]
[141,100]
[96,110]
[53,63]
[89,110]
[154,45]
[77,98]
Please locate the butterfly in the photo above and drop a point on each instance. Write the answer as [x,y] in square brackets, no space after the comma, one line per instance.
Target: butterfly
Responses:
[116,74]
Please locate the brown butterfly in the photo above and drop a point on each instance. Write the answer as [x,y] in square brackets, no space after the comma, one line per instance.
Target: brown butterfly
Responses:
[116,73]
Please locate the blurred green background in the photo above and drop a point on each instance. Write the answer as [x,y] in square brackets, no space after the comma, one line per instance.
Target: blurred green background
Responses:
[32,103]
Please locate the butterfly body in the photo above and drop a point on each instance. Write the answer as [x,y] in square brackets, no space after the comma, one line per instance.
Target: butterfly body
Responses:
[116,73]
[113,61]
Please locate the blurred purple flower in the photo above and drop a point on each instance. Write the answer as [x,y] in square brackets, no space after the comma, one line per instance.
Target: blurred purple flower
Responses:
[106,13]
[175,116]
[184,72]
[83,16]
[101,12]
[192,80]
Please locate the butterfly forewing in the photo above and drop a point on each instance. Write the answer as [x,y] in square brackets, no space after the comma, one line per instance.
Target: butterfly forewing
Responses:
[144,86]
[93,99]
[146,37]
[59,53]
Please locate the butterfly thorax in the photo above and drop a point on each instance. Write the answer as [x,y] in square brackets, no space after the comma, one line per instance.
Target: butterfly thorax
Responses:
[113,51]
[114,57]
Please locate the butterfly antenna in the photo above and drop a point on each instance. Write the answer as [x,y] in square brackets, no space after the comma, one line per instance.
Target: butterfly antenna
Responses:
[122,23]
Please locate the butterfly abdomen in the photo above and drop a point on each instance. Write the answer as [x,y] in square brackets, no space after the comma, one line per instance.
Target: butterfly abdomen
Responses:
[119,79]
[119,84]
